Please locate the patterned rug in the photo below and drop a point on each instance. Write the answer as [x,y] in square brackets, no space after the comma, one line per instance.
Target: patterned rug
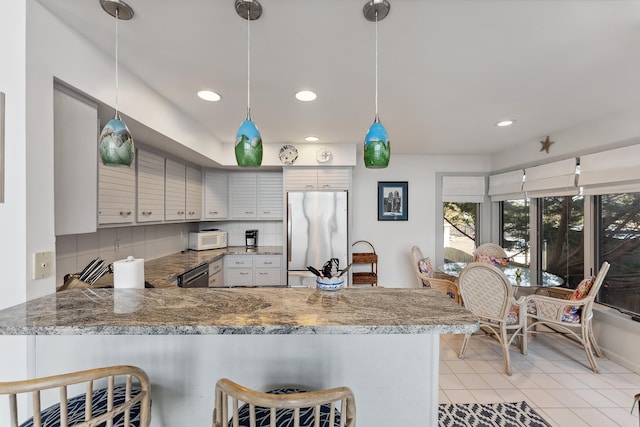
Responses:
[516,414]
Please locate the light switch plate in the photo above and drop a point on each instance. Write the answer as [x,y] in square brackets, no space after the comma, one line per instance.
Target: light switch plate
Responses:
[42,265]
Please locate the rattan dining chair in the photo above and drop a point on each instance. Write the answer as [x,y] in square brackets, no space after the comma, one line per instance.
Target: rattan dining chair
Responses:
[119,395]
[426,279]
[491,249]
[488,294]
[240,406]
[570,314]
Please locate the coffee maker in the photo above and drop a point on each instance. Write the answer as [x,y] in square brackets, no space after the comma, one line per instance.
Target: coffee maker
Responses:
[251,238]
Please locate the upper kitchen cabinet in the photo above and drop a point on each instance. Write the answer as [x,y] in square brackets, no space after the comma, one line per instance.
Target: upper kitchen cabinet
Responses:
[75,169]
[270,196]
[150,179]
[116,194]
[317,179]
[215,195]
[256,195]
[175,191]
[194,194]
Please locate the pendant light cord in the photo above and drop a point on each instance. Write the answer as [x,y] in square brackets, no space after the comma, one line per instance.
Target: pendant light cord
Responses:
[117,10]
[376,65]
[248,63]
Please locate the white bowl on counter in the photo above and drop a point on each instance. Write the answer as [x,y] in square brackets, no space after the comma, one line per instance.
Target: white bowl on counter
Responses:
[330,283]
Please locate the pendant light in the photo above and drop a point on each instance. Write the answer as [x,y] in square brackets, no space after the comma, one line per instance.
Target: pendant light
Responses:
[115,141]
[377,147]
[248,147]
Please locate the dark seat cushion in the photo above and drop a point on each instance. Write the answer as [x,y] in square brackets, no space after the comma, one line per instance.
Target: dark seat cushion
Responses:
[285,416]
[76,405]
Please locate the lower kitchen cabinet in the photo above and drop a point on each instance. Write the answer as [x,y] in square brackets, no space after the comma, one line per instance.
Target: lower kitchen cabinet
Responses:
[253,270]
[216,274]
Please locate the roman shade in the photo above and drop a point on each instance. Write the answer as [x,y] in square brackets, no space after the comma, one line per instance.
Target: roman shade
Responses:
[611,171]
[506,186]
[463,189]
[552,179]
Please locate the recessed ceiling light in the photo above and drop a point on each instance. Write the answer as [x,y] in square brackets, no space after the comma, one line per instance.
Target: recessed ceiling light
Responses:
[504,123]
[208,95]
[306,95]
[311,139]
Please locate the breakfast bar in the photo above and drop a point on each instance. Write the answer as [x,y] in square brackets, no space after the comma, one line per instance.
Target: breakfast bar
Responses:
[381,342]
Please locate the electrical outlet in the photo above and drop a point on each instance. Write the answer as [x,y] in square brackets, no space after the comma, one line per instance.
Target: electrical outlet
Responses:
[42,265]
[116,245]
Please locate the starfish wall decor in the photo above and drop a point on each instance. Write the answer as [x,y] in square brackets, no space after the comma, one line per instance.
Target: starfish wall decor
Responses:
[546,144]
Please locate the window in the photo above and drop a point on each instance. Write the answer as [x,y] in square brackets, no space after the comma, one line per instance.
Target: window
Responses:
[618,222]
[561,241]
[460,221]
[514,219]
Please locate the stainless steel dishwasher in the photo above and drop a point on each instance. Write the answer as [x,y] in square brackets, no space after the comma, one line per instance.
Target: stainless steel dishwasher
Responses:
[197,277]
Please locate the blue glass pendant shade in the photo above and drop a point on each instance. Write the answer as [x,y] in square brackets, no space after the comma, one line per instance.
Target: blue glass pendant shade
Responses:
[116,144]
[248,145]
[377,147]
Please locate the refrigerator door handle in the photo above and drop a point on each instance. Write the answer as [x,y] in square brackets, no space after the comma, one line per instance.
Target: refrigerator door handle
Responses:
[289,229]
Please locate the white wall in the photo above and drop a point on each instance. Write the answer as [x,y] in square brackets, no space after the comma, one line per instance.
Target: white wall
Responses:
[392,240]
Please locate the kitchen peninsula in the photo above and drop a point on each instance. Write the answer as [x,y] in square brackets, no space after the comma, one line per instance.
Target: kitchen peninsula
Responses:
[381,342]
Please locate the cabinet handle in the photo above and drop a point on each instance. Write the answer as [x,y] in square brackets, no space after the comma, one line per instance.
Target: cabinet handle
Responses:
[326,186]
[248,212]
[243,274]
[266,212]
[125,213]
[268,262]
[213,213]
[308,186]
[147,213]
[263,274]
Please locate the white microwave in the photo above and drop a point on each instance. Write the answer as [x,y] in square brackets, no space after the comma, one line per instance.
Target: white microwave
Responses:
[205,240]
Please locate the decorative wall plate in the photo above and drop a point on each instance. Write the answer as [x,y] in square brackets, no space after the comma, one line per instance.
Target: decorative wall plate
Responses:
[288,154]
[323,155]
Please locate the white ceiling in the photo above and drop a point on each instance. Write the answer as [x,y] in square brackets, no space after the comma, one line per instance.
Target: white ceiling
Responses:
[448,69]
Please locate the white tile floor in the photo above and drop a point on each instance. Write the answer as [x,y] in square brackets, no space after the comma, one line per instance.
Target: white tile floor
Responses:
[554,378]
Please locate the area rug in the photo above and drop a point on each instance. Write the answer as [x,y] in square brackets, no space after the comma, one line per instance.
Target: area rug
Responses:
[516,414]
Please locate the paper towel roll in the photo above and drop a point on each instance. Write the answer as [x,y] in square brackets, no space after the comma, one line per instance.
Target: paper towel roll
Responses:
[128,273]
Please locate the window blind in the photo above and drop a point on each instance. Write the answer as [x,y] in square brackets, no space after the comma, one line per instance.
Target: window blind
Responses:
[506,186]
[552,179]
[611,171]
[463,189]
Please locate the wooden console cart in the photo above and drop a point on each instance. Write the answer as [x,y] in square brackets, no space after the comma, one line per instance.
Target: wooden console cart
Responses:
[370,258]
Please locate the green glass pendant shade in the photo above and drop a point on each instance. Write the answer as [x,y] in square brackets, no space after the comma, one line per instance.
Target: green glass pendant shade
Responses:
[377,147]
[248,145]
[116,144]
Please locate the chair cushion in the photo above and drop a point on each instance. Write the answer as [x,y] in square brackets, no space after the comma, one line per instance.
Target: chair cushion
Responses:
[425,267]
[512,316]
[583,289]
[497,261]
[285,416]
[51,415]
[570,313]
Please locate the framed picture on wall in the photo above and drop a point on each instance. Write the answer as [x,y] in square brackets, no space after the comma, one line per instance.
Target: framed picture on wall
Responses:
[393,201]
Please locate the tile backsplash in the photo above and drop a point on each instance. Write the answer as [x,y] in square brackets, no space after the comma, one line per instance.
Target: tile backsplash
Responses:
[74,252]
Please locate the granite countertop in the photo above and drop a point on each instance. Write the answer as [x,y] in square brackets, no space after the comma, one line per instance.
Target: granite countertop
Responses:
[179,311]
[162,272]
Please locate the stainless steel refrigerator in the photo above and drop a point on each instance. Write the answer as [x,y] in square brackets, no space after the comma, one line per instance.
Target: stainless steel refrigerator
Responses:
[317,230]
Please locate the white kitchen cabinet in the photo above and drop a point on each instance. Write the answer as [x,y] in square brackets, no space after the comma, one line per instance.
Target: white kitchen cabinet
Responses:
[243,192]
[256,195]
[270,196]
[193,194]
[150,184]
[175,191]
[216,274]
[238,270]
[317,179]
[253,270]
[267,270]
[75,135]
[116,194]
[215,195]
